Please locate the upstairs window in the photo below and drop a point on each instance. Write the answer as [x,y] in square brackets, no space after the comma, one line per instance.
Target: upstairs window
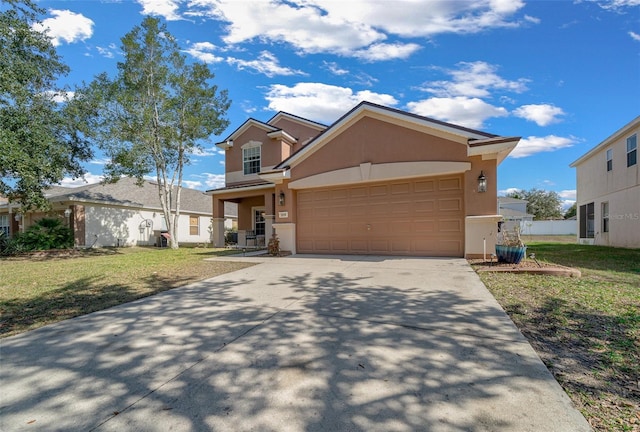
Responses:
[251,160]
[632,150]
[609,159]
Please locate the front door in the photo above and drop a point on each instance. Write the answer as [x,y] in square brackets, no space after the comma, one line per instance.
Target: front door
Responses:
[259,220]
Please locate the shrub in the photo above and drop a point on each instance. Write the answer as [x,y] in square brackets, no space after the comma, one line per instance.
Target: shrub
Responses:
[46,233]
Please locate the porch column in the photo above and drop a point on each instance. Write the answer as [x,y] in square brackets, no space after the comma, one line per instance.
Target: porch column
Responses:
[217,222]
[269,215]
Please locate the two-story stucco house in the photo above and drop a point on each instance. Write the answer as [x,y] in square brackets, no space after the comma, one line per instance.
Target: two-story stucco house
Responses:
[608,190]
[377,181]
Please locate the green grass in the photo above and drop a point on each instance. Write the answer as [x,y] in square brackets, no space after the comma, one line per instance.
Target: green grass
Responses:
[586,330]
[39,290]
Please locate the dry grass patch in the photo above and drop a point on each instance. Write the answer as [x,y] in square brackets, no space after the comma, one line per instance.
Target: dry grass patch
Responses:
[44,288]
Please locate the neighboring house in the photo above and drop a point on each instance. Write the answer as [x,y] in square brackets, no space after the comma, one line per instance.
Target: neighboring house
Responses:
[608,190]
[117,214]
[230,216]
[514,212]
[378,181]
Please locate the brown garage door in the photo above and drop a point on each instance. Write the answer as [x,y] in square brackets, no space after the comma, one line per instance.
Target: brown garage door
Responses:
[423,217]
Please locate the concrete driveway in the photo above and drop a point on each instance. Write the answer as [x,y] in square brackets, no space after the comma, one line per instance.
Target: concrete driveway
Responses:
[293,344]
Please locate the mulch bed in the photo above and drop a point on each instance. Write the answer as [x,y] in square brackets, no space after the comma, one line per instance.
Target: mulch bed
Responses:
[528,266]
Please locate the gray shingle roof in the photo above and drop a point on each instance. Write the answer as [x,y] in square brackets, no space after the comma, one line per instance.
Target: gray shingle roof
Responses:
[126,193]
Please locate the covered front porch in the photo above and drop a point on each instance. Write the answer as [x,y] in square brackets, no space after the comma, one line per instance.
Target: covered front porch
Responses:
[256,214]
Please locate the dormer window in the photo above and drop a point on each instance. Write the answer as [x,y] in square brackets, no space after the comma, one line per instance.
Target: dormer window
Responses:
[251,160]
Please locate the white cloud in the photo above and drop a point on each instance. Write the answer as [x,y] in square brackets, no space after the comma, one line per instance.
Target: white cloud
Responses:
[541,114]
[266,64]
[204,152]
[212,181]
[203,51]
[88,178]
[463,111]
[164,8]
[384,51]
[568,194]
[334,68]
[356,27]
[617,5]
[505,192]
[532,145]
[321,102]
[66,26]
[192,184]
[533,20]
[635,36]
[474,79]
[60,96]
[102,161]
[107,52]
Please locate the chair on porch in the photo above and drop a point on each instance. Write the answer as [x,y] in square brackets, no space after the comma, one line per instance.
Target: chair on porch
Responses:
[251,235]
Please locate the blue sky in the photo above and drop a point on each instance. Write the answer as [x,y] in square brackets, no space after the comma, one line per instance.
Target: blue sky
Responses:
[563,75]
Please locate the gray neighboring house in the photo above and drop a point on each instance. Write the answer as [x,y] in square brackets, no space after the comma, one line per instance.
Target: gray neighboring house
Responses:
[117,214]
[514,212]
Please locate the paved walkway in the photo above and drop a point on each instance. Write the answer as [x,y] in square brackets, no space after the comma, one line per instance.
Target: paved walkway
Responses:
[293,344]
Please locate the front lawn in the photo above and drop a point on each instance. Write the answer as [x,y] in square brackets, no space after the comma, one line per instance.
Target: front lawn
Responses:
[42,289]
[586,330]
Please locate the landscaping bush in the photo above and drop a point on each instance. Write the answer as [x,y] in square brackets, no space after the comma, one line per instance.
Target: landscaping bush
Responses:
[46,233]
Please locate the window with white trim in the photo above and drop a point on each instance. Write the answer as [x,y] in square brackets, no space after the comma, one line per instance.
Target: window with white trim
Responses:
[605,217]
[632,150]
[251,160]
[4,225]
[194,225]
[609,159]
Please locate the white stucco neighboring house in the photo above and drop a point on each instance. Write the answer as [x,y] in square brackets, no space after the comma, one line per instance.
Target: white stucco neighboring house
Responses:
[608,190]
[117,214]
[514,212]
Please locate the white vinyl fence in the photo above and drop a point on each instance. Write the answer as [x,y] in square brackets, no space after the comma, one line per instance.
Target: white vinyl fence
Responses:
[552,227]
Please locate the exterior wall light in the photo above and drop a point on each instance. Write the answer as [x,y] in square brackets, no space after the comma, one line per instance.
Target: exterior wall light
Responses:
[18,217]
[67,213]
[482,182]
[281,198]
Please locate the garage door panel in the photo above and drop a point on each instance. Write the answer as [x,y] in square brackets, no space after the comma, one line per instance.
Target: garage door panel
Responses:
[378,191]
[358,210]
[400,246]
[424,226]
[379,246]
[338,228]
[450,225]
[401,189]
[417,217]
[450,204]
[358,192]
[425,206]
[359,246]
[339,194]
[424,186]
[341,211]
[449,184]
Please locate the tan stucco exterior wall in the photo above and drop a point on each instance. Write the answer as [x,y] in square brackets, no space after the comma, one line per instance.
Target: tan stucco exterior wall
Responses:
[484,203]
[301,132]
[375,141]
[620,188]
